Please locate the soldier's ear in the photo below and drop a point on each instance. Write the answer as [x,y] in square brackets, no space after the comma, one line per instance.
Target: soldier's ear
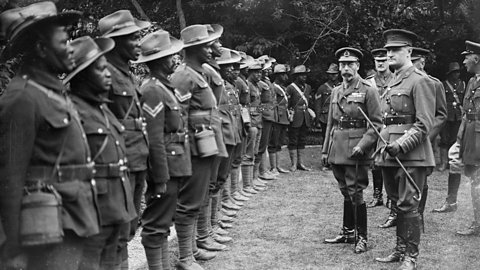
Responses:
[40,49]
[476,58]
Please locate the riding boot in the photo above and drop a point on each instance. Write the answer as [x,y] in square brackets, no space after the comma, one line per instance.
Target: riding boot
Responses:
[185,233]
[347,234]
[154,258]
[293,159]
[443,160]
[301,158]
[399,251]
[421,206]
[392,217]
[450,204]
[361,228]
[280,169]
[474,229]
[377,188]
[413,223]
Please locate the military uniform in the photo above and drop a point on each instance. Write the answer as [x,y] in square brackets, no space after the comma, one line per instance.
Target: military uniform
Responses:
[454,93]
[39,128]
[268,117]
[280,125]
[321,104]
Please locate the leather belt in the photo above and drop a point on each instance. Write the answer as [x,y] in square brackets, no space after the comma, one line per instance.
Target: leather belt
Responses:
[134,124]
[203,112]
[266,106]
[229,107]
[66,173]
[351,124]
[255,109]
[109,170]
[302,107]
[399,119]
[473,116]
[175,137]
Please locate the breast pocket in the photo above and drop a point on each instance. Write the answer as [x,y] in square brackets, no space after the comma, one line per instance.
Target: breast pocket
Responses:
[123,87]
[354,102]
[57,116]
[401,101]
[96,135]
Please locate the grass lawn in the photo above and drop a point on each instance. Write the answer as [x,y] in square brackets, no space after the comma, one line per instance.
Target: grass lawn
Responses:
[284,227]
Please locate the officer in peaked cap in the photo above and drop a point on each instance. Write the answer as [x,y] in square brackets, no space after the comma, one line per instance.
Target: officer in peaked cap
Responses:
[124,29]
[419,57]
[468,135]
[323,97]
[380,79]
[190,82]
[349,144]
[43,147]
[454,92]
[298,101]
[408,117]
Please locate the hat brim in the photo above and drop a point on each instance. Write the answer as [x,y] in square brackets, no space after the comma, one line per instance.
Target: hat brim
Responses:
[453,70]
[396,44]
[247,62]
[139,25]
[467,52]
[301,72]
[200,42]
[20,40]
[332,72]
[268,65]
[177,46]
[235,59]
[218,30]
[105,45]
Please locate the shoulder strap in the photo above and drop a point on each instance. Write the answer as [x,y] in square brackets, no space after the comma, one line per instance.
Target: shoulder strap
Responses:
[200,77]
[105,141]
[300,93]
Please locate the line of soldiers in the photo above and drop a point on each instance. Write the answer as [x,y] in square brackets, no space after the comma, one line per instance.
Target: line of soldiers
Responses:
[78,154]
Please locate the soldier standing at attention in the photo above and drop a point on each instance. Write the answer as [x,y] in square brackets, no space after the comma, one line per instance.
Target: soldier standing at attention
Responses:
[204,133]
[169,149]
[279,129]
[298,93]
[350,143]
[323,97]
[468,135]
[454,91]
[43,146]
[408,119]
[89,84]
[124,29]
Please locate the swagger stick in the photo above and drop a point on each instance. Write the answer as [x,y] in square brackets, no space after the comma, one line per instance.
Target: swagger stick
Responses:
[409,177]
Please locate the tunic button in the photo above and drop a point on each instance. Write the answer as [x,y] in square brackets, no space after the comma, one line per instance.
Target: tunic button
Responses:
[89,159]
[124,93]
[93,182]
[65,120]
[117,142]
[173,152]
[24,77]
[83,135]
[175,108]
[123,128]
[100,130]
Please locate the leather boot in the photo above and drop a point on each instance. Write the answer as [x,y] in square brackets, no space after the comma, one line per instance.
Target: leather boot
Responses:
[230,206]
[234,186]
[219,231]
[184,236]
[413,223]
[203,255]
[301,158]
[154,258]
[293,159]
[392,217]
[377,189]
[421,206]
[247,174]
[261,170]
[279,168]
[361,228]
[228,213]
[273,164]
[474,229]
[450,204]
[399,251]
[347,233]
[222,239]
[443,160]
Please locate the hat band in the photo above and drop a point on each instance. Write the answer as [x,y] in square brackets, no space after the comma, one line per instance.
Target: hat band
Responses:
[195,39]
[156,50]
[22,20]
[91,54]
[120,26]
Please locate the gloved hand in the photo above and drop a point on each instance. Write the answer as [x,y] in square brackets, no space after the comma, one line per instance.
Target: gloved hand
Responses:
[393,149]
[357,152]
[324,160]
[159,189]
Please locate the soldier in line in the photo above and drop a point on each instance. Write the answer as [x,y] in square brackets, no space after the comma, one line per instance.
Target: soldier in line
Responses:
[323,98]
[380,79]
[298,93]
[124,29]
[43,147]
[350,144]
[468,135]
[204,133]
[89,84]
[280,125]
[408,120]
[169,148]
[454,91]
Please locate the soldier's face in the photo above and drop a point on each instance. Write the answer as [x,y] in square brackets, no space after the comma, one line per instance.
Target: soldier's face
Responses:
[419,63]
[256,75]
[226,71]
[398,56]
[128,46]
[56,51]
[168,64]
[217,48]
[470,62]
[235,73]
[381,65]
[98,75]
[455,75]
[332,76]
[204,53]
[349,70]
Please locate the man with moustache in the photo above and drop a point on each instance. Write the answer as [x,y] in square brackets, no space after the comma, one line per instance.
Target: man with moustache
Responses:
[124,29]
[454,91]
[469,135]
[323,97]
[348,147]
[192,89]
[43,147]
[408,120]
[298,93]
[89,84]
[281,122]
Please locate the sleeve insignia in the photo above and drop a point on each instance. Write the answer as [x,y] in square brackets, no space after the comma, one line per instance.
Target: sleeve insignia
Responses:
[153,112]
[182,98]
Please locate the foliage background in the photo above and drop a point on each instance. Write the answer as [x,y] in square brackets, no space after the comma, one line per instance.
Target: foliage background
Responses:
[298,31]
